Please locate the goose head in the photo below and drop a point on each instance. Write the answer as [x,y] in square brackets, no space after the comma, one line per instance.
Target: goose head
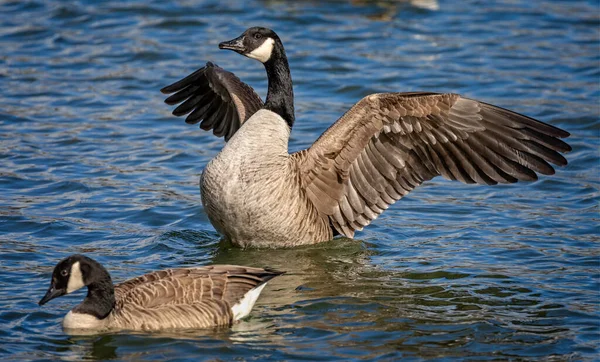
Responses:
[264,45]
[69,275]
[255,43]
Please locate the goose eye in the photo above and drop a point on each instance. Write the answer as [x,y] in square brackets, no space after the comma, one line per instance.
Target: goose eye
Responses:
[64,272]
[257,36]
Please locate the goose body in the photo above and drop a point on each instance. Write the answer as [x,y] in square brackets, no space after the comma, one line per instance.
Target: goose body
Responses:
[251,192]
[256,193]
[185,298]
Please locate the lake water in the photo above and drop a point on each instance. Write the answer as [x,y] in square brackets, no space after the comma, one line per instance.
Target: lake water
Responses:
[91,161]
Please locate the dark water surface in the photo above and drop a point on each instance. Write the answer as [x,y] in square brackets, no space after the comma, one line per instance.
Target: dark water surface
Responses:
[91,161]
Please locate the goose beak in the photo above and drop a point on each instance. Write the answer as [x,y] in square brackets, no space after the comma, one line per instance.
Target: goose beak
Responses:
[51,294]
[237,45]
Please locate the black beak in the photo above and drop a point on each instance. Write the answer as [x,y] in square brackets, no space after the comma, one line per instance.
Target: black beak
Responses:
[236,44]
[51,294]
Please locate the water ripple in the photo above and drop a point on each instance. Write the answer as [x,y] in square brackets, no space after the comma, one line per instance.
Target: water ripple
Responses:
[93,162]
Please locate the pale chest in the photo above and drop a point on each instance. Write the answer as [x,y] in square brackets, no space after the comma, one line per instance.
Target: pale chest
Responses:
[83,321]
[251,190]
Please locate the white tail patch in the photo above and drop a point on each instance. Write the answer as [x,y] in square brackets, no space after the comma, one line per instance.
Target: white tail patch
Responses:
[243,308]
[263,52]
[75,278]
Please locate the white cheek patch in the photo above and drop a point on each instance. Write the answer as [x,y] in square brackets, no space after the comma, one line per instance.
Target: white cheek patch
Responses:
[263,52]
[75,278]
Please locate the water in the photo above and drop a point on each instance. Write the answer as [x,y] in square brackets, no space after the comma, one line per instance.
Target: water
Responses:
[92,162]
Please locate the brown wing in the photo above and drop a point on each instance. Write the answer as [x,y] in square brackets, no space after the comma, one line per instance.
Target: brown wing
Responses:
[388,144]
[216,97]
[185,298]
[226,283]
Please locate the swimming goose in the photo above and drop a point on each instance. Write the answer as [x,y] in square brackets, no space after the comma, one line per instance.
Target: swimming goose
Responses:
[257,194]
[192,298]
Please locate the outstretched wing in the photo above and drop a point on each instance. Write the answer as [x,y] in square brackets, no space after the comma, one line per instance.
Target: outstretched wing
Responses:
[387,144]
[216,97]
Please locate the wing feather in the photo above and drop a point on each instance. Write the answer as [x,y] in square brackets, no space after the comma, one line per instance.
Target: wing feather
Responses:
[188,286]
[387,144]
[216,97]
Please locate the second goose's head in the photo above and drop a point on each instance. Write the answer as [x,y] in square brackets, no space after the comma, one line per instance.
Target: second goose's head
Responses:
[256,43]
[73,273]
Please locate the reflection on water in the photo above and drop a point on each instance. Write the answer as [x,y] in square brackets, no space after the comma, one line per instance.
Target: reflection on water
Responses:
[335,288]
[389,10]
[93,162]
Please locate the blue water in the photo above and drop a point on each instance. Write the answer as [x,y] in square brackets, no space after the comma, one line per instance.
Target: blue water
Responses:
[91,161]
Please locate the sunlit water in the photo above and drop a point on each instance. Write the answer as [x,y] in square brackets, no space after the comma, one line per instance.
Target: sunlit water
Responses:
[92,162]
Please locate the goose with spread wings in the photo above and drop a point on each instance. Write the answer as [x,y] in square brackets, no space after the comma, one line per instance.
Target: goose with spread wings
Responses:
[256,193]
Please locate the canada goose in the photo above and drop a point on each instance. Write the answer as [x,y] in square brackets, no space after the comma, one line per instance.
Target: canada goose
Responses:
[257,194]
[202,297]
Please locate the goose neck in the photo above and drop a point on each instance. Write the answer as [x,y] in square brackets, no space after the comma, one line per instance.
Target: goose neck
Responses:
[100,299]
[280,95]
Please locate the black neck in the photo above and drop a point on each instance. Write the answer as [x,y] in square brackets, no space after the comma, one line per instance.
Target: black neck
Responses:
[100,299]
[280,96]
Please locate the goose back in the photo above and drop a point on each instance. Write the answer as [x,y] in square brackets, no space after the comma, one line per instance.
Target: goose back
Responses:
[185,298]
